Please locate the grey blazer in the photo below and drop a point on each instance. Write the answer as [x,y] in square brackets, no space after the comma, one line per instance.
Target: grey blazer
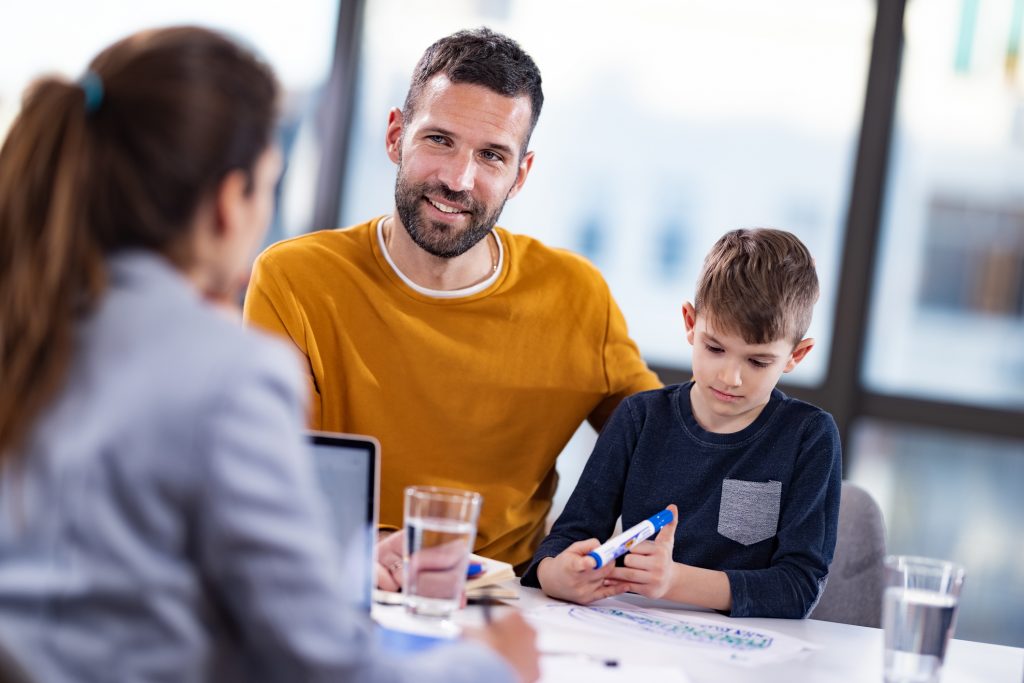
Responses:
[163,523]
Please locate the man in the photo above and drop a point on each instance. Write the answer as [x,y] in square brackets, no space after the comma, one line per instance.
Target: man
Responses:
[472,354]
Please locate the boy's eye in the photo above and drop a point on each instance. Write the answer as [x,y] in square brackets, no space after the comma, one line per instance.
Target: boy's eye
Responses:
[759,363]
[713,349]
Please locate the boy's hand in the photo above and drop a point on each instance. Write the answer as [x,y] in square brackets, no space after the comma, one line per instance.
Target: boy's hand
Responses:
[571,575]
[649,569]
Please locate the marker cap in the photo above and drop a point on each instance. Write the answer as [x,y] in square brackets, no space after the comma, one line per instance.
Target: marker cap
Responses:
[661,519]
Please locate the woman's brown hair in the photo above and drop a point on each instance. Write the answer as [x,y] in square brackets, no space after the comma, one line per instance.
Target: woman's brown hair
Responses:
[121,159]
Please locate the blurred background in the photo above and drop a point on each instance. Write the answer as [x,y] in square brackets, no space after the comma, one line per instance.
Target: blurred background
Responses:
[889,136]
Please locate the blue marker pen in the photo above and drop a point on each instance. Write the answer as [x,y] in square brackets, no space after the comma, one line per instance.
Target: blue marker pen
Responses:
[620,545]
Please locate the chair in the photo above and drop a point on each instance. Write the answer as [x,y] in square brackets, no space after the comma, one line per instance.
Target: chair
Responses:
[856,579]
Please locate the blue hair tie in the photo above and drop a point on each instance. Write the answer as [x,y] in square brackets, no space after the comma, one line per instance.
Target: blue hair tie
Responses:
[92,86]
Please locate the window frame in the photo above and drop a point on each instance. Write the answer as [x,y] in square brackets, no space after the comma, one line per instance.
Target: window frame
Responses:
[842,391]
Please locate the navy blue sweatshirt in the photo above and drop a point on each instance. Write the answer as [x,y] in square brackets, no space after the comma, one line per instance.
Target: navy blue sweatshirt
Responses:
[760,504]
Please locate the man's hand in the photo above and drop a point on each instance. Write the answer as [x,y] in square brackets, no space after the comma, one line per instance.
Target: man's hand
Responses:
[516,642]
[571,575]
[389,560]
[650,570]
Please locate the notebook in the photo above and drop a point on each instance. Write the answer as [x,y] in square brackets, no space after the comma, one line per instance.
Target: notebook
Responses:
[348,470]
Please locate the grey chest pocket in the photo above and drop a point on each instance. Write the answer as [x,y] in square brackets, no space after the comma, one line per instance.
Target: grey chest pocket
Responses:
[750,510]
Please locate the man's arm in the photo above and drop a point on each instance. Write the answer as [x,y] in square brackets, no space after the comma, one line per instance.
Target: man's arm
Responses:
[626,373]
[266,308]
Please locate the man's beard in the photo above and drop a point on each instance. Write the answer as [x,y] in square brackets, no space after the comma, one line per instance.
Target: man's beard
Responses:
[434,237]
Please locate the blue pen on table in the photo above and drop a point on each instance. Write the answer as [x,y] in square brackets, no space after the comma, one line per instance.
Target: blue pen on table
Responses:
[621,544]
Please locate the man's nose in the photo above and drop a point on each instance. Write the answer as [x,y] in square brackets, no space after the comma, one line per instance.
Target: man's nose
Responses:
[459,172]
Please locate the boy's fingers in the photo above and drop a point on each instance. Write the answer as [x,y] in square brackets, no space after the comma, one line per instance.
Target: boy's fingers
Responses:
[629,575]
[634,561]
[615,589]
[667,535]
[577,554]
[643,548]
[583,547]
[607,589]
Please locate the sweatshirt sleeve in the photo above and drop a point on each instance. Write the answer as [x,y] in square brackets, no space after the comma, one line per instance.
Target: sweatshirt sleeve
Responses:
[806,536]
[626,373]
[268,307]
[596,502]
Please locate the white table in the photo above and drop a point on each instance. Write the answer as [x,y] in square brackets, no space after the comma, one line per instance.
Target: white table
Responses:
[847,654]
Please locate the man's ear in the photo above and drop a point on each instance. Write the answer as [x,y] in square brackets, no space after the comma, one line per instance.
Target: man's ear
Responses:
[800,351]
[524,170]
[393,135]
[689,320]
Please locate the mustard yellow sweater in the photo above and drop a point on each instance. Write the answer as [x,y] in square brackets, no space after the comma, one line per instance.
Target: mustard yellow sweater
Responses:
[479,392]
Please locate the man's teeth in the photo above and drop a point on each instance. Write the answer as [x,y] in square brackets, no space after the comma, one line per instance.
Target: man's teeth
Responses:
[441,207]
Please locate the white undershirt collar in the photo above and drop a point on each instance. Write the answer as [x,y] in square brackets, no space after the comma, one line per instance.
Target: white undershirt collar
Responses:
[442,293]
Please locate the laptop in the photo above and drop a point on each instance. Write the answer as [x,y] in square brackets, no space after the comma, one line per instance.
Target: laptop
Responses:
[348,470]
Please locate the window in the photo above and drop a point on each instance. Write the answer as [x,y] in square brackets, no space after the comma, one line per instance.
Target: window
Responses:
[955,497]
[664,126]
[43,45]
[947,317]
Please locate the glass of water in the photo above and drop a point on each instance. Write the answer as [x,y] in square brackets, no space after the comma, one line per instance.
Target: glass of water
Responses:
[918,616]
[440,527]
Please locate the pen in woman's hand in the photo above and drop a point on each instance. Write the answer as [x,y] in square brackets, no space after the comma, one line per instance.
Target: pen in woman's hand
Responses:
[486,602]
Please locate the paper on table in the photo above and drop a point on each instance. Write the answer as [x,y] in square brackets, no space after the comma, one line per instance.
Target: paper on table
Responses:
[732,642]
[570,670]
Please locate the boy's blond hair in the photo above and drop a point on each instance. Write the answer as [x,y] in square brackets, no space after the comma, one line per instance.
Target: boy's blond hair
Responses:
[759,284]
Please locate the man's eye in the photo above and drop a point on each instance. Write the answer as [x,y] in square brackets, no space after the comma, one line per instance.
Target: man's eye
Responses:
[490,156]
[439,139]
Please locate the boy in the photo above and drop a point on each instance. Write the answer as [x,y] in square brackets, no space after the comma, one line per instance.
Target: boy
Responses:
[755,474]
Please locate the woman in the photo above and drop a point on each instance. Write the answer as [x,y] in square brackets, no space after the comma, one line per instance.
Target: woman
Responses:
[158,516]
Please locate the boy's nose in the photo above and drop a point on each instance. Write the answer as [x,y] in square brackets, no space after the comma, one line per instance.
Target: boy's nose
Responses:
[730,375]
[458,173]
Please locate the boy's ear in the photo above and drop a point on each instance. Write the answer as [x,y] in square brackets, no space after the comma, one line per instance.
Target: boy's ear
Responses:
[800,351]
[689,320]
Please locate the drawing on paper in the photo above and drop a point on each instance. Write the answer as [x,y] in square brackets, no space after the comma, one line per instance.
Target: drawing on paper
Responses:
[699,633]
[624,621]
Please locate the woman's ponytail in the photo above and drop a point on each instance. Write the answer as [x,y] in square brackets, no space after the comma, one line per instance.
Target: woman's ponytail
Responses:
[50,264]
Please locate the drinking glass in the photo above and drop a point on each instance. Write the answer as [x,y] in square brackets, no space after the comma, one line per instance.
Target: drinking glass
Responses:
[440,527]
[919,610]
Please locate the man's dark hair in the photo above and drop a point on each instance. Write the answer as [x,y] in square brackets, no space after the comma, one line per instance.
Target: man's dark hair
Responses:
[480,57]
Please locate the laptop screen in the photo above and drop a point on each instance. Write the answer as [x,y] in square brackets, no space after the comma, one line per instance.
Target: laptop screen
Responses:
[347,470]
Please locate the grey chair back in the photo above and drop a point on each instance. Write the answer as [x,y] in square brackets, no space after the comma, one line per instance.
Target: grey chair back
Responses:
[856,578]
